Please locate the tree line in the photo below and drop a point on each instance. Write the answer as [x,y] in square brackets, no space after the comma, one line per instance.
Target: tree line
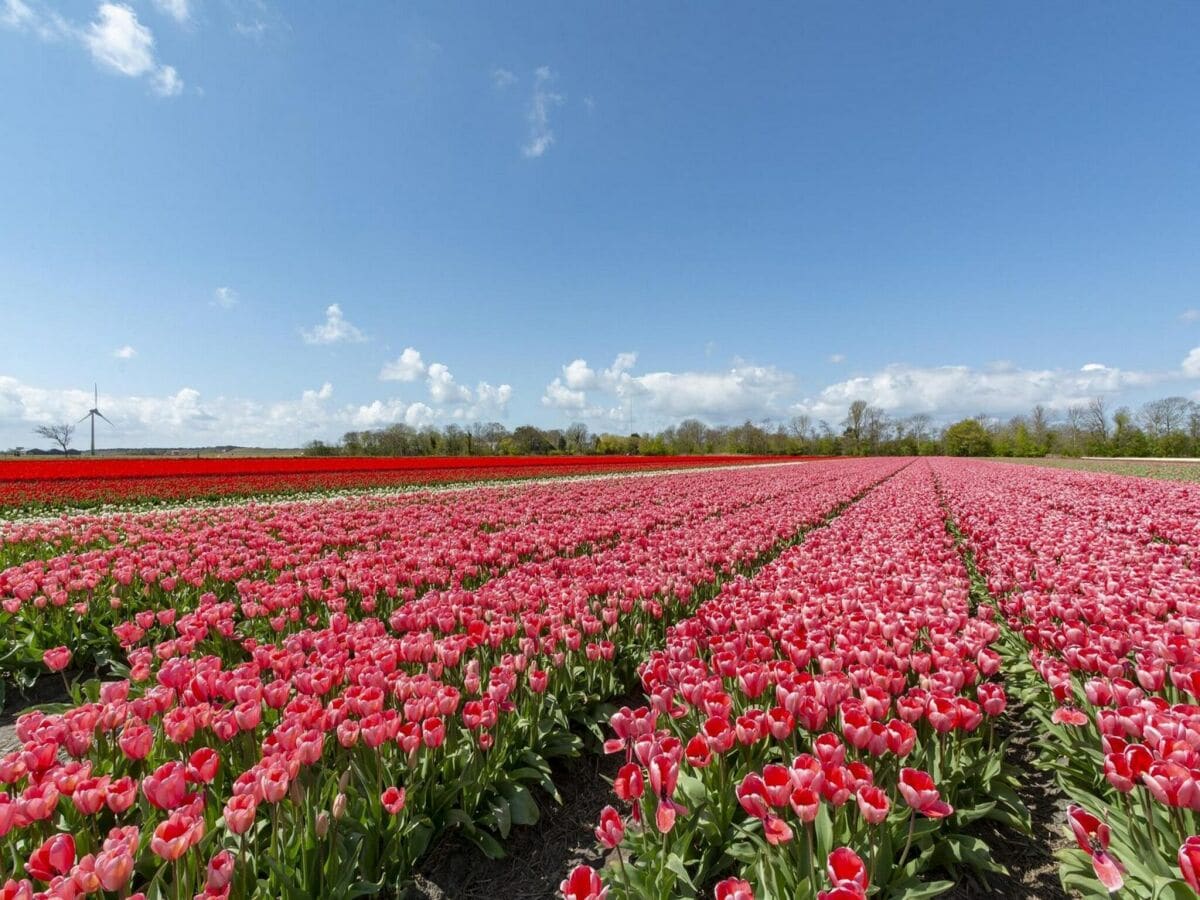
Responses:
[1165,427]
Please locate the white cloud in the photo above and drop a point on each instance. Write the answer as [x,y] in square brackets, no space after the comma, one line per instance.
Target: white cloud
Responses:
[1190,315]
[225,297]
[1191,363]
[742,391]
[443,388]
[118,40]
[450,398]
[16,14]
[166,82]
[176,9]
[503,78]
[541,136]
[578,376]
[126,352]
[122,44]
[560,396]
[47,25]
[963,390]
[836,358]
[419,415]
[334,330]
[408,366]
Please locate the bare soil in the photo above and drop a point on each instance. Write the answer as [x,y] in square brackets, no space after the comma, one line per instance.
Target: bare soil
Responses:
[47,689]
[1032,868]
[538,856]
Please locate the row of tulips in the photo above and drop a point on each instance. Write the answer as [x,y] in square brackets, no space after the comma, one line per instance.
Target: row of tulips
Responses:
[300,737]
[834,713]
[1097,580]
[45,485]
[117,567]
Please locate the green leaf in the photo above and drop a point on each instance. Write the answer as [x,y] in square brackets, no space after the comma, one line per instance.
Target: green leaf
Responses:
[675,864]
[489,845]
[500,815]
[742,852]
[522,808]
[966,816]
[915,890]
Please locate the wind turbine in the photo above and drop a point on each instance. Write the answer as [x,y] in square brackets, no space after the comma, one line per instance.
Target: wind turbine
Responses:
[93,412]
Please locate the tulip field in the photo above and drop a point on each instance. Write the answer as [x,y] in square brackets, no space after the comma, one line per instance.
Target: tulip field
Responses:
[56,484]
[806,673]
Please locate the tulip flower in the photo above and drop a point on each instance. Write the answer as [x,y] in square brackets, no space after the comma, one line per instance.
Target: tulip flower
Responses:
[1189,862]
[611,829]
[583,884]
[393,800]
[57,659]
[733,889]
[1093,838]
[921,794]
[54,857]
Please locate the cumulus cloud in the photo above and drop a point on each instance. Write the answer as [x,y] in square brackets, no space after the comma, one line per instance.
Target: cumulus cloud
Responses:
[186,417]
[544,99]
[120,43]
[1190,315]
[125,352]
[225,297]
[336,329]
[408,366]
[743,390]
[836,358]
[443,388]
[452,399]
[503,78]
[964,390]
[1191,363]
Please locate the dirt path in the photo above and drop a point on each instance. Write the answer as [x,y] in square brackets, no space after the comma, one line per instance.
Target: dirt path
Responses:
[1032,868]
[539,856]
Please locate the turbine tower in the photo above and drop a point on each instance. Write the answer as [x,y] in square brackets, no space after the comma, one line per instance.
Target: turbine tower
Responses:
[93,412]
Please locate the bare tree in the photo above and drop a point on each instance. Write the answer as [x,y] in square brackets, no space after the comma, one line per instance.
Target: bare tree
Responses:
[800,426]
[856,420]
[1097,417]
[60,434]
[1039,425]
[1162,417]
[919,425]
[1076,415]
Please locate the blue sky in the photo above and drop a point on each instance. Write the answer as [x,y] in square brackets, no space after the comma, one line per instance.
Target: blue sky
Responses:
[238,215]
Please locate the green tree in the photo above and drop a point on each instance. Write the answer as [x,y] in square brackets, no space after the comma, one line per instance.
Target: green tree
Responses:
[967,438]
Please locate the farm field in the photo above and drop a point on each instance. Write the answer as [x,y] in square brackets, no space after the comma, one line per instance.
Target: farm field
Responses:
[1166,469]
[828,679]
[55,484]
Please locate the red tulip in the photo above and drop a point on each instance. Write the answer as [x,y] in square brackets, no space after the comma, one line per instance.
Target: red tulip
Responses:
[1189,862]
[54,857]
[583,884]
[873,803]
[921,794]
[845,868]
[57,659]
[1092,835]
[611,829]
[176,835]
[733,889]
[393,800]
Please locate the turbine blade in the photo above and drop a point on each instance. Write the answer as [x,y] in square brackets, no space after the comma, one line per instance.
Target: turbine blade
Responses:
[83,418]
[105,418]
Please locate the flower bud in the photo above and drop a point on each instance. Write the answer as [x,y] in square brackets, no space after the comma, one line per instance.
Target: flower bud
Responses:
[339,806]
[322,824]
